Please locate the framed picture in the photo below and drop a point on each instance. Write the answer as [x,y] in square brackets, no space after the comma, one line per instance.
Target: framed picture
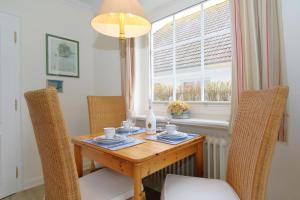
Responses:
[58,84]
[62,56]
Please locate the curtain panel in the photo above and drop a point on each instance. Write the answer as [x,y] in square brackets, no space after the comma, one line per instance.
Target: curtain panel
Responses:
[258,54]
[128,72]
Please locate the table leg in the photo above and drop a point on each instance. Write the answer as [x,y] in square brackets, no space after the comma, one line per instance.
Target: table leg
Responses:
[78,160]
[199,160]
[137,181]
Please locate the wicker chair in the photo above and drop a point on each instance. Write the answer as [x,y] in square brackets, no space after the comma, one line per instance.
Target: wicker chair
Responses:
[105,111]
[254,136]
[58,162]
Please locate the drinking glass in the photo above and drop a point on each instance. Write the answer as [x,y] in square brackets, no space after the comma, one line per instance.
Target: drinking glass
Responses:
[124,125]
[168,117]
[131,118]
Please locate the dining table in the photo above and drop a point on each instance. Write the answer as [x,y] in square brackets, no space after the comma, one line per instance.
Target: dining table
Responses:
[141,160]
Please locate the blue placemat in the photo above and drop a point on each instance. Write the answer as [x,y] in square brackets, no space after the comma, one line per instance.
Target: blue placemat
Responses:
[141,130]
[129,143]
[155,138]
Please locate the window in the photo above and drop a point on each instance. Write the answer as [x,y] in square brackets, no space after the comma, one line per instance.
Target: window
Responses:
[191,54]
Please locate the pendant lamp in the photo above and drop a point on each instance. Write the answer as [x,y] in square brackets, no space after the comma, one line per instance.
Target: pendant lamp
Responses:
[121,18]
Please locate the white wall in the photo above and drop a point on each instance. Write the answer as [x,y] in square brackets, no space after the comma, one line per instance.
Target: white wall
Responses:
[142,61]
[107,66]
[63,18]
[285,174]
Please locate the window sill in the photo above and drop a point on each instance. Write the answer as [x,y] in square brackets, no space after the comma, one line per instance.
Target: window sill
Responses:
[207,103]
[219,124]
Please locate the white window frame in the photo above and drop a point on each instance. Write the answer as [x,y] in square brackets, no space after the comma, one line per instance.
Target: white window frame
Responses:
[174,44]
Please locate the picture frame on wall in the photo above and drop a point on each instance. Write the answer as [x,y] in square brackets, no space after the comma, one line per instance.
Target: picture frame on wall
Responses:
[62,56]
[57,84]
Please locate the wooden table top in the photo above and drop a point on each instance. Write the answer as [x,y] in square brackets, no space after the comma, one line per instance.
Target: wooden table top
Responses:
[140,152]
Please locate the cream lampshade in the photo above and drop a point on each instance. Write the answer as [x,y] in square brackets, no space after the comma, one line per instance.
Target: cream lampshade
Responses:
[121,18]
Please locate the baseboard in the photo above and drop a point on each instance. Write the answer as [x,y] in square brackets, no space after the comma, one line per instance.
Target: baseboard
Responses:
[33,182]
[37,181]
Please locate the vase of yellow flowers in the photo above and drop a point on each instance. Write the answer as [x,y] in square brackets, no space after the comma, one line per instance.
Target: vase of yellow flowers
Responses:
[179,110]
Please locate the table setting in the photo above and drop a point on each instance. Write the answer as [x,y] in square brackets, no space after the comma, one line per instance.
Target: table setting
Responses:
[112,141]
[118,138]
[171,136]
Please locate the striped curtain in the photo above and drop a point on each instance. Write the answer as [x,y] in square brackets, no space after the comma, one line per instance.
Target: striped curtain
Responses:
[258,57]
[128,72]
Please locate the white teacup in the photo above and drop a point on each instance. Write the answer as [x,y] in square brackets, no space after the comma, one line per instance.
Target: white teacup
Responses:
[171,129]
[109,133]
[126,124]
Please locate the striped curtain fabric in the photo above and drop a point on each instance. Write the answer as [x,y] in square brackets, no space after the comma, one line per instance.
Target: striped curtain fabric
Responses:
[258,57]
[128,72]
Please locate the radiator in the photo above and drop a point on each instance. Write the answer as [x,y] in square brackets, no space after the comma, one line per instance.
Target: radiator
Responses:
[215,159]
[182,167]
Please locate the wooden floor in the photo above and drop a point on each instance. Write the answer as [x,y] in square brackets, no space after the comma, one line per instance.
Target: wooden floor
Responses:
[36,193]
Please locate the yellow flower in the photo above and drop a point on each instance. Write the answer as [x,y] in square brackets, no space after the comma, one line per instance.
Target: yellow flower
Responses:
[178,107]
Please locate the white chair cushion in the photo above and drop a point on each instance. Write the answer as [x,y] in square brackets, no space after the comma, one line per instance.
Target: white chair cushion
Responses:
[106,184]
[193,188]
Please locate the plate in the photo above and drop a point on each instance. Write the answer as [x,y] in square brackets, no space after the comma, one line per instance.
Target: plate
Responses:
[103,140]
[127,130]
[178,136]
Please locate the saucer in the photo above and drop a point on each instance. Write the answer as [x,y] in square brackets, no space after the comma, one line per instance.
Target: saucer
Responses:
[127,130]
[103,140]
[176,136]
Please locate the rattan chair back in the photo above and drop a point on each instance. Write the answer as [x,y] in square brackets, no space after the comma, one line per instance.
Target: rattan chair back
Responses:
[254,135]
[105,111]
[58,163]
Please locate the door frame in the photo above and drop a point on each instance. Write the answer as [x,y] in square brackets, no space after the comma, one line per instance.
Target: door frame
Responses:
[17,93]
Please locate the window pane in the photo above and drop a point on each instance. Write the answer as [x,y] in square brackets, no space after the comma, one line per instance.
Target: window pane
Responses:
[188,90]
[217,49]
[188,41]
[163,62]
[188,71]
[162,53]
[163,89]
[162,59]
[188,54]
[162,33]
[188,24]
[218,83]
[193,54]
[216,16]
[217,90]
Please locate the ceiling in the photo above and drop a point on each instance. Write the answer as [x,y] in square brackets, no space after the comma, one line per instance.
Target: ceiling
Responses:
[97,2]
[91,2]
[145,3]
[148,5]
